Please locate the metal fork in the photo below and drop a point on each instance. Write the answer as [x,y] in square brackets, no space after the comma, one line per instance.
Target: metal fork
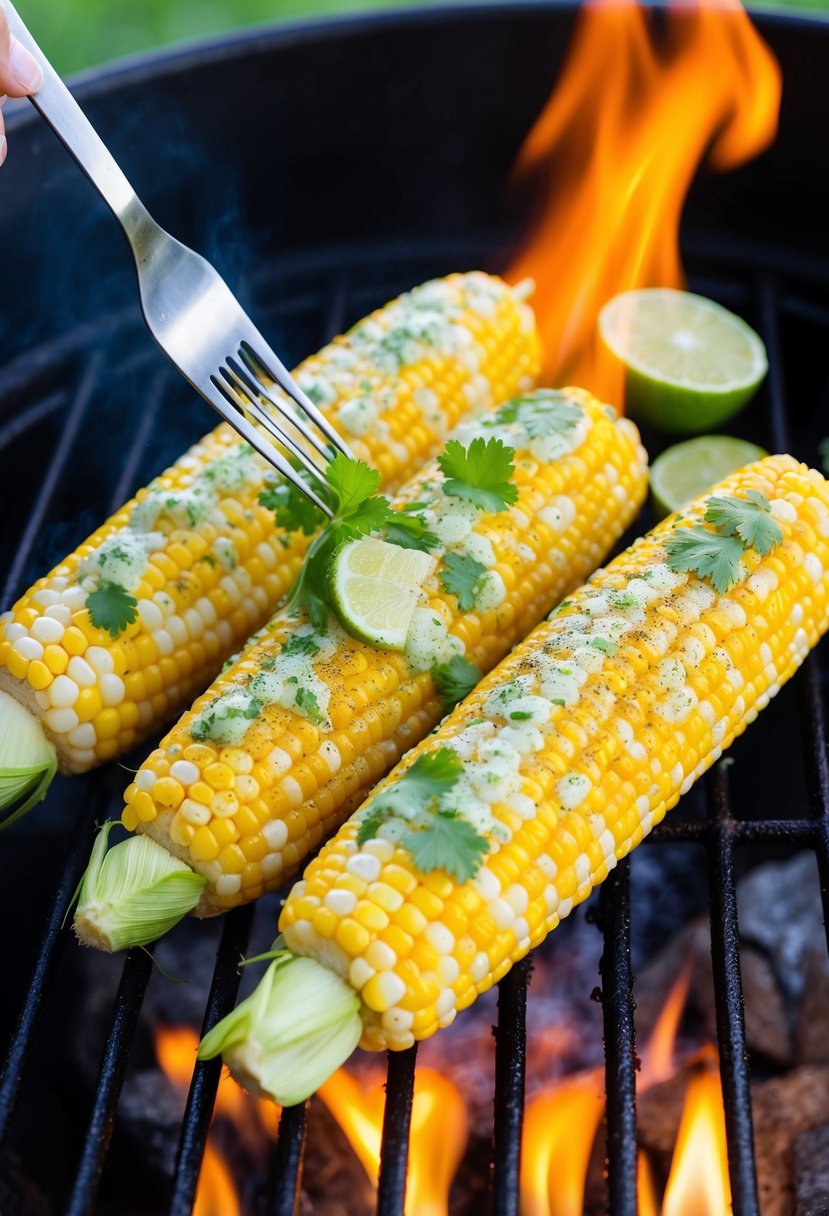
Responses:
[190,310]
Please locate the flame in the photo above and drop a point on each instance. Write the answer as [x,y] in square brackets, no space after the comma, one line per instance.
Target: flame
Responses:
[647,1203]
[658,1058]
[615,150]
[255,1120]
[438,1135]
[698,1182]
[559,1130]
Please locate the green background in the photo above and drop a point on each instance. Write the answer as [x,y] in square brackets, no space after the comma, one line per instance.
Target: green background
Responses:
[77,33]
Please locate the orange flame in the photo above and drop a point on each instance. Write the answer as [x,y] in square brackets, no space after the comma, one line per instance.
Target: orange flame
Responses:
[647,1203]
[438,1135]
[698,1182]
[658,1061]
[615,150]
[254,1120]
[559,1130]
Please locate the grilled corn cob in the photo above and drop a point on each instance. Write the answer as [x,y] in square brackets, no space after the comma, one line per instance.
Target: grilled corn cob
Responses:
[557,765]
[292,736]
[141,616]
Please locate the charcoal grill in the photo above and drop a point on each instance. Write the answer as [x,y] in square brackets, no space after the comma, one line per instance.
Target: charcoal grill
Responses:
[403,145]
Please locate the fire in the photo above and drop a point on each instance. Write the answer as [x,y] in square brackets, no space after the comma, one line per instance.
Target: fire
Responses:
[559,1129]
[658,1058]
[698,1182]
[438,1135]
[255,1121]
[642,99]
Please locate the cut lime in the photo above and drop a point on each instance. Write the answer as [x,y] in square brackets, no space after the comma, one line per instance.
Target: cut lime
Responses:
[688,469]
[690,364]
[375,588]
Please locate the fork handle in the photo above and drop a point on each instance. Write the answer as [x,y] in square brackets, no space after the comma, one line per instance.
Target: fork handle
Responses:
[58,107]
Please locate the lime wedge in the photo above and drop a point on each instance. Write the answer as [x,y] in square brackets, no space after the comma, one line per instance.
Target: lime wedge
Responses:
[375,587]
[688,469]
[690,364]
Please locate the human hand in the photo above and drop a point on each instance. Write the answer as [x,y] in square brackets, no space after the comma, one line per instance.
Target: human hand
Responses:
[20,74]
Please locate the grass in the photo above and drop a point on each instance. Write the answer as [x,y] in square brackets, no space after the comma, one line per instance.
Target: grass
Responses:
[84,32]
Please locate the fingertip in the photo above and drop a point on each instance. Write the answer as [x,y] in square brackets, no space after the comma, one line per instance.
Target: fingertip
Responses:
[25,68]
[4,147]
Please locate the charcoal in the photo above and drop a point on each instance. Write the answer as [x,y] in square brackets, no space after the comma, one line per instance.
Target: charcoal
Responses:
[780,912]
[812,1027]
[811,1172]
[150,1111]
[334,1182]
[784,1108]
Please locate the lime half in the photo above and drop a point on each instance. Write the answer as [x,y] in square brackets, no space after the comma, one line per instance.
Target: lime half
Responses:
[690,364]
[375,588]
[688,469]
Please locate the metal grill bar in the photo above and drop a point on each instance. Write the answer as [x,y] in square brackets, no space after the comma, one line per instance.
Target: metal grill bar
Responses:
[728,1000]
[397,1119]
[206,1074]
[286,1171]
[47,960]
[619,1041]
[75,418]
[510,1078]
[134,980]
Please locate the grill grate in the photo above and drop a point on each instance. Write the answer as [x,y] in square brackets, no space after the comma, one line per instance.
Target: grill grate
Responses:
[782,289]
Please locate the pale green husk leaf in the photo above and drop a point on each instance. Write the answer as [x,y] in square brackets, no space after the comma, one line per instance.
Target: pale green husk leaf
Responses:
[294,1030]
[28,761]
[133,893]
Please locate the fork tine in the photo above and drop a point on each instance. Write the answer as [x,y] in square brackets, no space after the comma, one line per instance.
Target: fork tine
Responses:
[244,400]
[220,400]
[276,371]
[257,389]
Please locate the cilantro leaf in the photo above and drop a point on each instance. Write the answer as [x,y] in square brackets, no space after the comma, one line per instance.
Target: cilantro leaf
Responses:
[353,482]
[447,843]
[430,777]
[408,530]
[294,512]
[307,704]
[718,558]
[749,518]
[460,576]
[480,473]
[370,825]
[455,680]
[111,607]
[301,643]
[542,413]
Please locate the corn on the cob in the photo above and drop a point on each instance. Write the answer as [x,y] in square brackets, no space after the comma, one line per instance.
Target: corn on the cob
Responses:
[141,616]
[242,791]
[568,753]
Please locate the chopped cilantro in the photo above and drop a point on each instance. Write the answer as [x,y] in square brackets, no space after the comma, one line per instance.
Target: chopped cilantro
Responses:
[111,607]
[208,558]
[307,704]
[294,512]
[455,680]
[604,645]
[749,518]
[706,553]
[370,825]
[480,473]
[447,843]
[460,577]
[301,643]
[520,715]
